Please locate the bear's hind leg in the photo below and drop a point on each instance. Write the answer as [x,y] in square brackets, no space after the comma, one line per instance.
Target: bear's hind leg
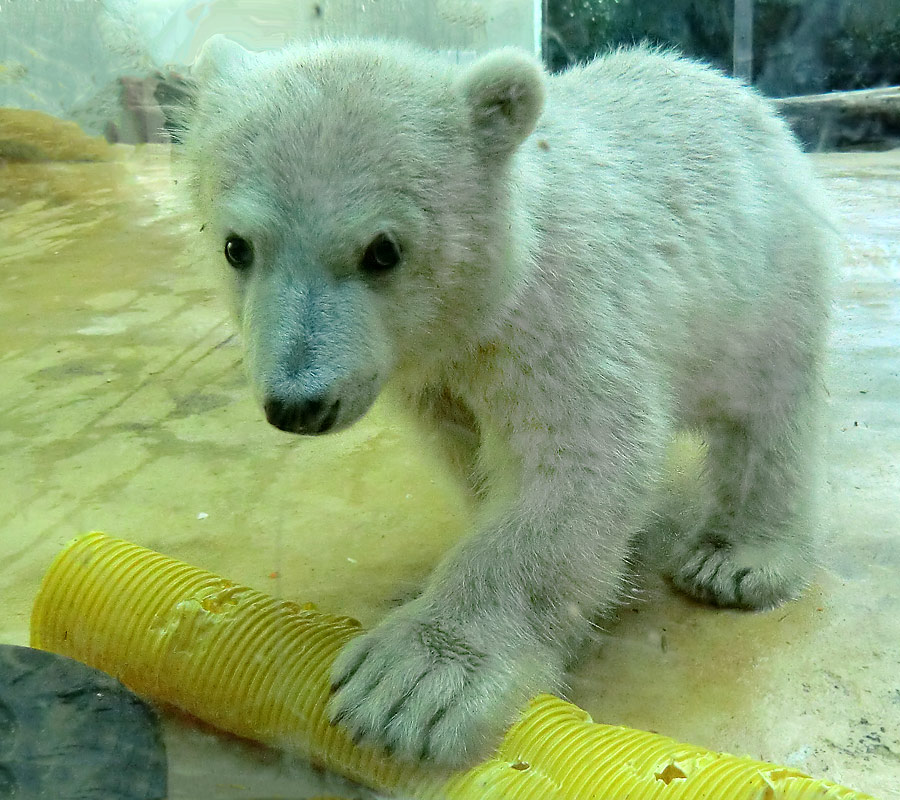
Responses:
[753,548]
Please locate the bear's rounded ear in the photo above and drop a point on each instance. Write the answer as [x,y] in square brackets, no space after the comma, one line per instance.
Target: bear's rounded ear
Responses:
[218,58]
[504,91]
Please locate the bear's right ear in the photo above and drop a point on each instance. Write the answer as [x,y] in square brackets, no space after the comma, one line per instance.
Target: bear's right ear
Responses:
[505,93]
[218,58]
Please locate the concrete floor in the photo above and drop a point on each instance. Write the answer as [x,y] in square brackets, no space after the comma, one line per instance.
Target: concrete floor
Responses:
[123,408]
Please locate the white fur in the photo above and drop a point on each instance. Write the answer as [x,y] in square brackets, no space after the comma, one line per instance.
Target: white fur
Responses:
[591,261]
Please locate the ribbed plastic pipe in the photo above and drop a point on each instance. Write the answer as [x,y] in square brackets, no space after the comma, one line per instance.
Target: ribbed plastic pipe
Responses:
[259,667]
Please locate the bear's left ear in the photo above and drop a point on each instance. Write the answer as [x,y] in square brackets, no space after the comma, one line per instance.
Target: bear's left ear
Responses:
[505,93]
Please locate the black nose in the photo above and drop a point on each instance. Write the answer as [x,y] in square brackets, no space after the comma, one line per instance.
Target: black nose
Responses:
[310,416]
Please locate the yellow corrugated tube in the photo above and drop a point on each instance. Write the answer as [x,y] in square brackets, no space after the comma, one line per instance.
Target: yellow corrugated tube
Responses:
[259,667]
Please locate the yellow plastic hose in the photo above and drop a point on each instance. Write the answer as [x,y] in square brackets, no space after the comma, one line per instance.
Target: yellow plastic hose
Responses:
[258,667]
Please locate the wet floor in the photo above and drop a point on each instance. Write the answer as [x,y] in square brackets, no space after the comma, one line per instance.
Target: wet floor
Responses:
[123,408]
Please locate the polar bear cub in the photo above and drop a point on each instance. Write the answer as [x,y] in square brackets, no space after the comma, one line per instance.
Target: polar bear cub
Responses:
[559,271]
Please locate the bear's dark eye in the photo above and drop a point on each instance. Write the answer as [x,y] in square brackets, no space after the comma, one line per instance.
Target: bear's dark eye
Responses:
[239,252]
[381,255]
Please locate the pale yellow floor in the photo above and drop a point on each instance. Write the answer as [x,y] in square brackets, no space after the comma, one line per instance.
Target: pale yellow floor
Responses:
[123,407]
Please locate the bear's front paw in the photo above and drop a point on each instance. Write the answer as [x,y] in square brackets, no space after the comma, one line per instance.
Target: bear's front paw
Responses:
[423,687]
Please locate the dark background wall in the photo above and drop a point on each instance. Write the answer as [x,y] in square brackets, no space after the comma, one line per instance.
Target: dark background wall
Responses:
[799,46]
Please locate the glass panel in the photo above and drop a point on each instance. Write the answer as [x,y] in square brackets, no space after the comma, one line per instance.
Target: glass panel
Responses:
[559,376]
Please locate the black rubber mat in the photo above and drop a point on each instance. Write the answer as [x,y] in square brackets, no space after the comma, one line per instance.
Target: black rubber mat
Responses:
[70,732]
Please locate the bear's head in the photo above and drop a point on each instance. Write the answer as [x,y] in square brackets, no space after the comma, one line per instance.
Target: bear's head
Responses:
[363,200]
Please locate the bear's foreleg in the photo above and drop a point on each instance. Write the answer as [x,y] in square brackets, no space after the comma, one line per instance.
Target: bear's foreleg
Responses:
[441,677]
